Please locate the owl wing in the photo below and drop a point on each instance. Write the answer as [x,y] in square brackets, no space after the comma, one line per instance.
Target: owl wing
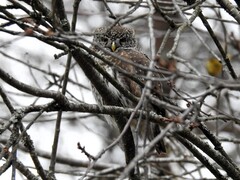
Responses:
[141,59]
[137,58]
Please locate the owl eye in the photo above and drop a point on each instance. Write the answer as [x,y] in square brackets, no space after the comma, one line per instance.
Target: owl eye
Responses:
[123,40]
[104,40]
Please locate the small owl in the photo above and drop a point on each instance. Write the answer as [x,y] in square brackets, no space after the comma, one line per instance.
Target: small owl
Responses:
[121,40]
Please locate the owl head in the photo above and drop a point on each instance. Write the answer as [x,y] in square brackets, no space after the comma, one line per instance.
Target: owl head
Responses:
[115,38]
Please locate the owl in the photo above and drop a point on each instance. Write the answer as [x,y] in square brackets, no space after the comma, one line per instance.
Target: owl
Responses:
[121,41]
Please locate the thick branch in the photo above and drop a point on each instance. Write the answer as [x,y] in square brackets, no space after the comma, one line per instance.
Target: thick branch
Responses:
[32,90]
[110,98]
[215,155]
[201,158]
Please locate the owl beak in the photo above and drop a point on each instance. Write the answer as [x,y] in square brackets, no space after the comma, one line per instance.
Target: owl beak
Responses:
[113,46]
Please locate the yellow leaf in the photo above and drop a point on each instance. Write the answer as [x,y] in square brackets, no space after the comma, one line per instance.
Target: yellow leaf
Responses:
[214,67]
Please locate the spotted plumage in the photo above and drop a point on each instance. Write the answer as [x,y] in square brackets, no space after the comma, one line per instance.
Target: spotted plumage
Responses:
[121,41]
